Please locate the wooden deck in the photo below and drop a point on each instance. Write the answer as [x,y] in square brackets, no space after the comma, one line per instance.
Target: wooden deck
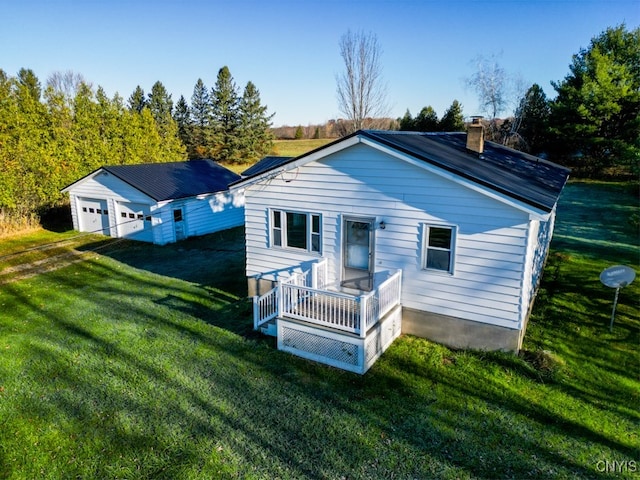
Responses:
[317,323]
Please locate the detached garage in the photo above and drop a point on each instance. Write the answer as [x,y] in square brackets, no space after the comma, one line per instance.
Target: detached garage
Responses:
[156,202]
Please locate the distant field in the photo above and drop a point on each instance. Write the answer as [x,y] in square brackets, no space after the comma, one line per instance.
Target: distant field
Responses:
[293,148]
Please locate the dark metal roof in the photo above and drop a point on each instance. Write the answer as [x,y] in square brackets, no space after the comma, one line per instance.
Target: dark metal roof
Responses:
[515,174]
[166,181]
[267,163]
[523,177]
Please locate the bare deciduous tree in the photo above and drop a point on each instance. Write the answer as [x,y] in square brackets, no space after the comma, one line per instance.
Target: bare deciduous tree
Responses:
[66,83]
[361,92]
[489,81]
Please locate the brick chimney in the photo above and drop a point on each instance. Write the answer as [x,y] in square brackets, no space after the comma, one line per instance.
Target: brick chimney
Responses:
[475,135]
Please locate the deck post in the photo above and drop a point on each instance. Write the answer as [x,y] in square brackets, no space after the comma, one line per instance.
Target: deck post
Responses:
[314,275]
[280,296]
[363,316]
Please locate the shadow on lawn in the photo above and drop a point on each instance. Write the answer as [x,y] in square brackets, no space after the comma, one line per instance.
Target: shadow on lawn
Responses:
[214,262]
[408,417]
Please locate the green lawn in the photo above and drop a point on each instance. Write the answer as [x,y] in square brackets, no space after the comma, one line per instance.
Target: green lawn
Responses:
[294,148]
[140,362]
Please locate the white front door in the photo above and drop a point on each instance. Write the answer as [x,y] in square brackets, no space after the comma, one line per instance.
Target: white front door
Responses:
[357,252]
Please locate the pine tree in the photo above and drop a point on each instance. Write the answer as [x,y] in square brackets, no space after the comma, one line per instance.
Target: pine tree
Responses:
[161,106]
[254,136]
[182,117]
[202,138]
[30,83]
[427,120]
[453,119]
[533,113]
[137,100]
[225,116]
[407,122]
[596,114]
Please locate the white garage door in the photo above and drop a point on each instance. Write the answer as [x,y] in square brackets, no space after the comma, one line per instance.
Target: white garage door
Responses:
[93,215]
[134,221]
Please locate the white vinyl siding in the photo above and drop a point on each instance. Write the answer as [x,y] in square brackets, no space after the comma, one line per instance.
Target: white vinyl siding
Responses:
[490,236]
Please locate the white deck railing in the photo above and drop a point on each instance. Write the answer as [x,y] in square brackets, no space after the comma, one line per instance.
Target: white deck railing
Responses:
[265,307]
[303,296]
[355,314]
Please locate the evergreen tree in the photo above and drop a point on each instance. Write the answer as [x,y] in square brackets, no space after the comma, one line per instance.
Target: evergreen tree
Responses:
[596,114]
[182,117]
[160,104]
[30,83]
[225,116]
[137,100]
[453,119]
[299,133]
[407,122]
[202,137]
[427,120]
[533,113]
[254,135]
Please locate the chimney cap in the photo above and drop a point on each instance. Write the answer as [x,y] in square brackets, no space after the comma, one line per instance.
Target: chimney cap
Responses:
[476,119]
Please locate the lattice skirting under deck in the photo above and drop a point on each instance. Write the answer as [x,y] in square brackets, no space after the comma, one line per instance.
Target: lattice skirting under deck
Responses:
[344,351]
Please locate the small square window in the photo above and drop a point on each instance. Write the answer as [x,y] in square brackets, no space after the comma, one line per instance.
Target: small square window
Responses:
[132,215]
[140,216]
[148,218]
[123,214]
[439,248]
[84,209]
[91,210]
[105,212]
[99,211]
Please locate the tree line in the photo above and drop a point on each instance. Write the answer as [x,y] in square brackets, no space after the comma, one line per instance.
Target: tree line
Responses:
[52,135]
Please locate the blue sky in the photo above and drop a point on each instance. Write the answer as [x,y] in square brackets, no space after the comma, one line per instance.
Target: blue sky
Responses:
[289,48]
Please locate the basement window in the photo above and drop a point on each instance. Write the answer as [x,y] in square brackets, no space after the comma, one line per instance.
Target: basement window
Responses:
[296,230]
[439,247]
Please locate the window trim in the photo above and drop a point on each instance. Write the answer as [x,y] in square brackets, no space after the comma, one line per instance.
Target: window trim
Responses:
[426,227]
[310,233]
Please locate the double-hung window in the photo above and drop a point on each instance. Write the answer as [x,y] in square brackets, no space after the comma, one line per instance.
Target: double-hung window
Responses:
[295,230]
[439,247]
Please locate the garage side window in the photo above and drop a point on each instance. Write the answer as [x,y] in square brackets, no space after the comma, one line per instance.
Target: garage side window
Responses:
[296,230]
[439,248]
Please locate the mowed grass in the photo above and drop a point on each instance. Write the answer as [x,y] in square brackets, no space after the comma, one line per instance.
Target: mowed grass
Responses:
[140,362]
[294,148]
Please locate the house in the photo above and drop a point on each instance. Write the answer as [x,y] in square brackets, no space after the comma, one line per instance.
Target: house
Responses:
[439,235]
[156,202]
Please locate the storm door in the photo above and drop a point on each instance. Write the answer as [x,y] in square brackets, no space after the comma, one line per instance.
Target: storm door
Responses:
[357,253]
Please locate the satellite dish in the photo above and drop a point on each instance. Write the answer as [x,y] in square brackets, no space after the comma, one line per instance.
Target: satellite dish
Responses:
[618,276]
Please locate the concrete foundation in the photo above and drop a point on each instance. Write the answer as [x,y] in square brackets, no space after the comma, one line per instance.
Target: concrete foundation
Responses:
[460,334]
